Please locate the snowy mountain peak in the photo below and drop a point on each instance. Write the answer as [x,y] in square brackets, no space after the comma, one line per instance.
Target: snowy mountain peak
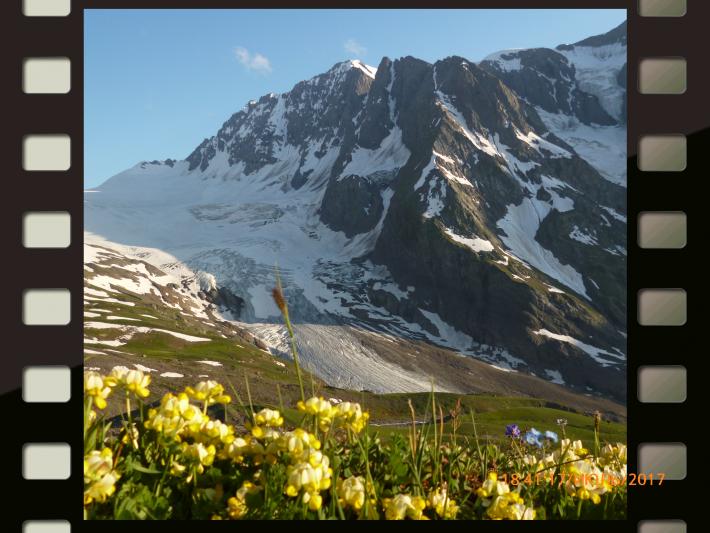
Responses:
[503,55]
[367,69]
[468,206]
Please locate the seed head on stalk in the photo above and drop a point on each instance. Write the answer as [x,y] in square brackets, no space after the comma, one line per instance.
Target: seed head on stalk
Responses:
[597,428]
[279,299]
[278,295]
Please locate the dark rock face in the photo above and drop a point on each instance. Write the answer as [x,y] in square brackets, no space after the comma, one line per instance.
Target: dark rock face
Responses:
[224,298]
[621,80]
[352,205]
[478,298]
[376,123]
[621,77]
[472,292]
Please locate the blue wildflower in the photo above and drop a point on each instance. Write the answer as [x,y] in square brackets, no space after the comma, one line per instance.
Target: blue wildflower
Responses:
[532,437]
[512,430]
[551,435]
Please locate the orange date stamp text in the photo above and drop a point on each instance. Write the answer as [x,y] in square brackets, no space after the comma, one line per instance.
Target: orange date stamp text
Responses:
[561,478]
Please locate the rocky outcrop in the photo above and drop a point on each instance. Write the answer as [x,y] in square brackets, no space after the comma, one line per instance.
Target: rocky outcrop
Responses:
[352,205]
[545,78]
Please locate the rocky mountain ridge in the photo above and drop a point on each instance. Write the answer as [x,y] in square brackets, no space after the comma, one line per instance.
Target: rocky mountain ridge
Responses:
[469,206]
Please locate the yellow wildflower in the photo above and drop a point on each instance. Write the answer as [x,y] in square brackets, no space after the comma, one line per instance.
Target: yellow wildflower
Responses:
[492,487]
[299,443]
[237,505]
[509,506]
[102,488]
[313,499]
[209,392]
[585,480]
[97,463]
[118,373]
[268,417]
[309,477]
[442,504]
[215,430]
[176,469]
[319,407]
[200,454]
[351,492]
[501,503]
[404,506]
[613,455]
[97,387]
[351,416]
[137,382]
[99,476]
[130,436]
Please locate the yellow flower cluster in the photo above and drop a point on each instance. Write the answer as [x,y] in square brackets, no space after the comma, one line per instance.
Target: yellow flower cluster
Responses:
[571,449]
[351,492]
[588,478]
[208,392]
[175,416]
[214,431]
[585,481]
[134,381]
[308,471]
[265,423]
[98,388]
[269,417]
[613,455]
[352,416]
[237,505]
[501,503]
[583,475]
[319,407]
[309,478]
[442,504]
[184,440]
[404,506]
[198,455]
[99,476]
[242,447]
[346,414]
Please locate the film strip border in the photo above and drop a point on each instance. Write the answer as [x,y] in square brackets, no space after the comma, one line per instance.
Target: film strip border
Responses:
[42,372]
[665,87]
[41,382]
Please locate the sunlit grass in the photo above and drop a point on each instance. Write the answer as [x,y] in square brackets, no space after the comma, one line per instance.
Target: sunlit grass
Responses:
[451,458]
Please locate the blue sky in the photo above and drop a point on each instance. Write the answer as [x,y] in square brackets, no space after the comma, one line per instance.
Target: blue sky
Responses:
[157,82]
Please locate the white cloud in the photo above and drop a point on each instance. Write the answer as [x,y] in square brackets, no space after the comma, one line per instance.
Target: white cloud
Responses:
[253,61]
[355,48]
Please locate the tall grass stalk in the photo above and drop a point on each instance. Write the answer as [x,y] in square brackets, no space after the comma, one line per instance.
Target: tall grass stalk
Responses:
[478,445]
[251,405]
[237,396]
[280,301]
[281,400]
[437,461]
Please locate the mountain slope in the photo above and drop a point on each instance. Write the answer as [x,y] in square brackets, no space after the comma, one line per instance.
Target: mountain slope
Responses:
[423,205]
[579,91]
